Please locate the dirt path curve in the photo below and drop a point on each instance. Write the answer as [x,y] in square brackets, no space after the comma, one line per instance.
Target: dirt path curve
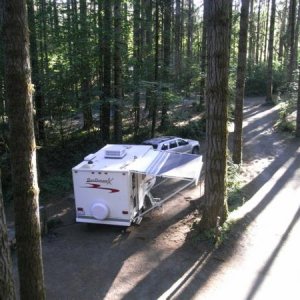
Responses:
[265,263]
[155,261]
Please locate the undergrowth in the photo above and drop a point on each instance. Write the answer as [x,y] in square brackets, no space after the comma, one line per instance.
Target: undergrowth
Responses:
[235,196]
[215,236]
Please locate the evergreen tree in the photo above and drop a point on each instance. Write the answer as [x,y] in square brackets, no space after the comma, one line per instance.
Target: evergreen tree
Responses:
[240,84]
[269,97]
[215,208]
[7,288]
[23,150]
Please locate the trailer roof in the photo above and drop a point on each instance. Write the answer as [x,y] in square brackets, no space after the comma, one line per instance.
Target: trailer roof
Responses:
[98,162]
[144,159]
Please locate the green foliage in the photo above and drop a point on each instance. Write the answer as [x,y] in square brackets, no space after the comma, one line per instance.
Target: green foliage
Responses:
[288,106]
[257,79]
[285,123]
[55,185]
[55,163]
[216,236]
[192,130]
[235,196]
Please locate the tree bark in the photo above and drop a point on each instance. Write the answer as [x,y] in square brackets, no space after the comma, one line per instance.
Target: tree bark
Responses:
[257,42]
[269,97]
[107,57]
[85,69]
[156,61]
[297,34]
[148,6]
[118,73]
[7,287]
[215,205]
[137,64]
[251,48]
[177,38]
[240,84]
[166,61]
[282,38]
[23,151]
[291,41]
[266,30]
[298,109]
[203,55]
[39,98]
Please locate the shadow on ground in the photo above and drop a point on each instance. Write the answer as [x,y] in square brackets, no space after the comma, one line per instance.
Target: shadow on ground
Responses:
[189,281]
[85,263]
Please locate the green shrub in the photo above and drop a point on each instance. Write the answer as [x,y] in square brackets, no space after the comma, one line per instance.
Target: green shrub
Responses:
[235,196]
[256,80]
[193,129]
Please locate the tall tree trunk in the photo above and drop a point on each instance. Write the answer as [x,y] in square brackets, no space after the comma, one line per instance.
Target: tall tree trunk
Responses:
[231,41]
[23,151]
[203,54]
[189,46]
[266,30]
[166,61]
[137,64]
[117,73]
[85,69]
[39,98]
[107,57]
[177,38]
[291,41]
[215,208]
[269,97]
[2,89]
[297,34]
[251,48]
[149,59]
[298,109]
[240,84]
[190,29]
[257,42]
[282,38]
[74,46]
[56,21]
[100,46]
[44,38]
[156,61]
[7,287]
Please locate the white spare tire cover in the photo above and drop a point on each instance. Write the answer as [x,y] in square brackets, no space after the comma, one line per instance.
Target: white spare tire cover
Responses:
[100,211]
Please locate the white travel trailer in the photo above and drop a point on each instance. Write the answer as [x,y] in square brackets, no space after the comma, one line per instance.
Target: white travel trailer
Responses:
[111,186]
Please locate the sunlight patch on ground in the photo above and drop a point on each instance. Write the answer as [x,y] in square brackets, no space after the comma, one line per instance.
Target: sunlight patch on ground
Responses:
[263,191]
[185,279]
[157,251]
[185,123]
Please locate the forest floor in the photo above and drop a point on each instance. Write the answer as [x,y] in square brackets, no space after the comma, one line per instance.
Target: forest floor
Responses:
[259,258]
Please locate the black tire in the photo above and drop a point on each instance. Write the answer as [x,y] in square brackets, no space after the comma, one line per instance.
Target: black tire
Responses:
[195,150]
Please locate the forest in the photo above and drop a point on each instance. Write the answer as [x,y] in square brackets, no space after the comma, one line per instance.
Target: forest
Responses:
[116,71]
[127,63]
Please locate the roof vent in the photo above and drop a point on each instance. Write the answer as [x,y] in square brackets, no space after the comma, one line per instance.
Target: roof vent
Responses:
[115,152]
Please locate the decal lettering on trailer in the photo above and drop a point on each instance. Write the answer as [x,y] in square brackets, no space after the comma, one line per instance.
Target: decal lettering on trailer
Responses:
[97,180]
[99,187]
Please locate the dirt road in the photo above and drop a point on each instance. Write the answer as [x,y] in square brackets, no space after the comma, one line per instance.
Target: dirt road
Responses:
[155,261]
